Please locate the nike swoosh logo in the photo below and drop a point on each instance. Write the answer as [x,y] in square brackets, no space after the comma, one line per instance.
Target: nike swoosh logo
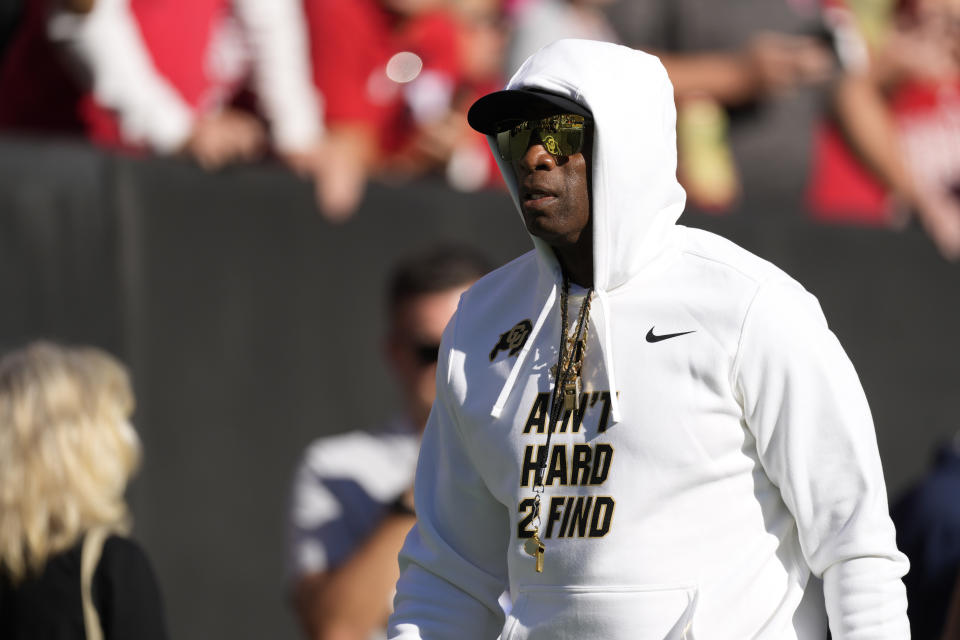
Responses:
[653,338]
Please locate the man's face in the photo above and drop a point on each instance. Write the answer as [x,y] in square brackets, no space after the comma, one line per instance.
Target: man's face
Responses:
[417,325]
[554,192]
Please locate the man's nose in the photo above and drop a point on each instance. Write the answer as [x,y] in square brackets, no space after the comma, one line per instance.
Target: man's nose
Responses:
[536,155]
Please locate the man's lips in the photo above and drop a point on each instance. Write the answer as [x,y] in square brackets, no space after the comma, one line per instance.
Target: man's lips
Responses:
[536,196]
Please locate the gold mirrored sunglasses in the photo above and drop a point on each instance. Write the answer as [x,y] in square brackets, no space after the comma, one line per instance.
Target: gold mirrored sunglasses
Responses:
[561,135]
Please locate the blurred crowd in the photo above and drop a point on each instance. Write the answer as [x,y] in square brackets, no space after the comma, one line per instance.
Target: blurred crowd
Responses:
[846,111]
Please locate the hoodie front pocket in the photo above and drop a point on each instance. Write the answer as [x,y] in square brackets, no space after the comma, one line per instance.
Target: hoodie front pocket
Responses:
[646,612]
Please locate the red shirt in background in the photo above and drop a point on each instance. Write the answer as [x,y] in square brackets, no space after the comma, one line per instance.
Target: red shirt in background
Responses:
[351,42]
[927,117]
[40,93]
[177,34]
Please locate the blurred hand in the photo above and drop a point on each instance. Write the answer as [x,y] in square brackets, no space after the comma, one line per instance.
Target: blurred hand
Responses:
[304,162]
[340,167]
[939,213]
[337,166]
[226,137]
[778,62]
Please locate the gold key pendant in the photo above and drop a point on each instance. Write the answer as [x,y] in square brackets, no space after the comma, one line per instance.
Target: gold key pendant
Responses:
[571,394]
[534,547]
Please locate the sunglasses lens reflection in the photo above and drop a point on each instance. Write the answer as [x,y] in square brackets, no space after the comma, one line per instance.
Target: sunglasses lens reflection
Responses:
[561,135]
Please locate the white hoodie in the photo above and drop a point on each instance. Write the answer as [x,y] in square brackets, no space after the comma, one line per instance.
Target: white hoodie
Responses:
[734,468]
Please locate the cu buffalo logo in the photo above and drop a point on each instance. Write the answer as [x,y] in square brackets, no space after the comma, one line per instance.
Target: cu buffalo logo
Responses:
[512,340]
[553,148]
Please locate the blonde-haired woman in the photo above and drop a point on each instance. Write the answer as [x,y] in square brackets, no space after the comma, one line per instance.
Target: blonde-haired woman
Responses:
[67,451]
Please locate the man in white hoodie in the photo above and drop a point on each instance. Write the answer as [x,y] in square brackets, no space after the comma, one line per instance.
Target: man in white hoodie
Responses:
[694,458]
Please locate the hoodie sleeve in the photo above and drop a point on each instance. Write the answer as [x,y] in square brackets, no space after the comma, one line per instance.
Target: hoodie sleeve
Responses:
[803,402]
[453,563]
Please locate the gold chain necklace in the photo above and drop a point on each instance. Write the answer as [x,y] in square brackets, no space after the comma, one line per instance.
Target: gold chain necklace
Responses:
[568,385]
[573,351]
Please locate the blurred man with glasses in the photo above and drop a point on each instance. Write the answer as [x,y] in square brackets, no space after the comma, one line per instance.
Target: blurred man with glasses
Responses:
[352,498]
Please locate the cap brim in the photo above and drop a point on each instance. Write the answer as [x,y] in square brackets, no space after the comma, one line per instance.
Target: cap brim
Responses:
[497,111]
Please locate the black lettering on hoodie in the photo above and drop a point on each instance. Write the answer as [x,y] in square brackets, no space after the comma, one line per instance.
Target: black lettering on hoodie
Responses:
[601,463]
[580,468]
[531,463]
[538,413]
[527,504]
[602,515]
[604,413]
[556,504]
[558,465]
[577,416]
[580,517]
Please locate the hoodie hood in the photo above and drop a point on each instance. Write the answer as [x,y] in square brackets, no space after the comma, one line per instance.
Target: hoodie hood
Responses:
[636,198]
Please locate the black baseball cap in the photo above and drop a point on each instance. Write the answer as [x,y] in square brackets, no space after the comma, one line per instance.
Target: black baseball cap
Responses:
[490,113]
